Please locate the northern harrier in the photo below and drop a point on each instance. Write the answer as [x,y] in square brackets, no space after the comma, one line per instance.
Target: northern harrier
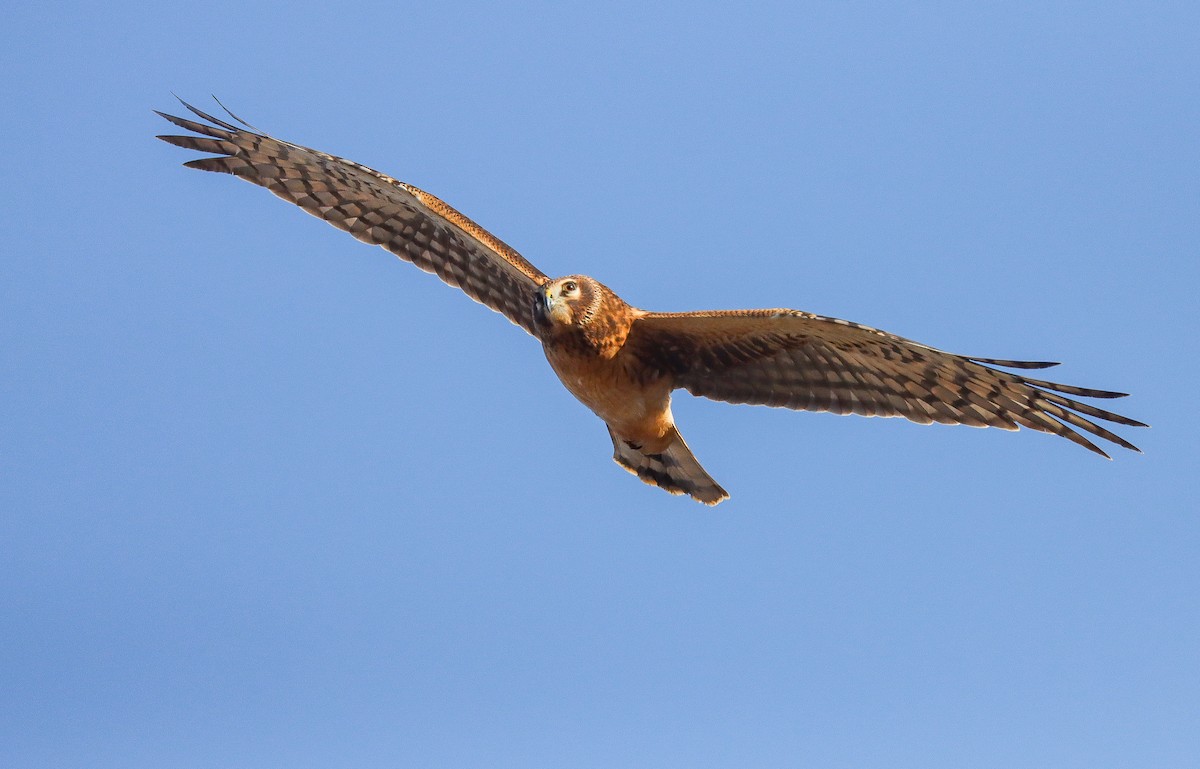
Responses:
[622,362]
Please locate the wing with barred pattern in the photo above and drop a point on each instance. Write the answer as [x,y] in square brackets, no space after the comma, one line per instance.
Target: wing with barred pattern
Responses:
[373,207]
[798,360]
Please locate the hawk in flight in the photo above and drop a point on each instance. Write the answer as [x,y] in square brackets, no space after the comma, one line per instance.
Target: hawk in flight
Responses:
[623,363]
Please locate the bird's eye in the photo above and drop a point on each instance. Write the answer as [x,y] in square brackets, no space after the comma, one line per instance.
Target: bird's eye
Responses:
[570,286]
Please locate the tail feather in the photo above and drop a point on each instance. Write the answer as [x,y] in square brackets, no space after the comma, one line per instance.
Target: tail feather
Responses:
[674,469]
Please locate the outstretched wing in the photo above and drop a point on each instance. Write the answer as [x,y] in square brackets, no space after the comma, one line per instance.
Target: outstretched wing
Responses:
[373,207]
[802,361]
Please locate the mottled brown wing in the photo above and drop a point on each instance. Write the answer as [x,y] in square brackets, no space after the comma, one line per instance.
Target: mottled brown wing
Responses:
[373,207]
[798,360]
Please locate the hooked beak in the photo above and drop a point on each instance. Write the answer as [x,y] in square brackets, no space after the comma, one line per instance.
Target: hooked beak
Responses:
[552,308]
[542,303]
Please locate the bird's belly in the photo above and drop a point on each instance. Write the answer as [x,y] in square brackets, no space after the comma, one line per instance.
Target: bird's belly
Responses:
[634,410]
[613,404]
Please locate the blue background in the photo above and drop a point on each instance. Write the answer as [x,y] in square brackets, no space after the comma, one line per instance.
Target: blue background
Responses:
[271,498]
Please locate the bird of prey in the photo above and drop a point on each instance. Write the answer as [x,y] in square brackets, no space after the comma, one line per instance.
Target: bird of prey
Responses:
[623,363]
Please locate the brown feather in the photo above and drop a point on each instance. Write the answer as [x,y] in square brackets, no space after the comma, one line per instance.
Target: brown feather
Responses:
[803,361]
[373,207]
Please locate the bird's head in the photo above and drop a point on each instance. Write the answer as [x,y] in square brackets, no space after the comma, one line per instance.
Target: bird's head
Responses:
[568,302]
[584,310]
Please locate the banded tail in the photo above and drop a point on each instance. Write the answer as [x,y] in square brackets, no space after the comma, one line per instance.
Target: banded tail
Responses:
[675,469]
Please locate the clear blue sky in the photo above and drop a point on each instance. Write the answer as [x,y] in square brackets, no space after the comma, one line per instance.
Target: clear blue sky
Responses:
[272,498]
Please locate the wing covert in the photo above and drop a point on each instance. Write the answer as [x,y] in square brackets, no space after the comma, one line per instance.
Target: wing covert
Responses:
[373,207]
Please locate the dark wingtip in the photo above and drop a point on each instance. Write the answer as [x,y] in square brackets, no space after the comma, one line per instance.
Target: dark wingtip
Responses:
[1022,364]
[210,118]
[1091,393]
[1127,445]
[1086,392]
[1089,445]
[229,112]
